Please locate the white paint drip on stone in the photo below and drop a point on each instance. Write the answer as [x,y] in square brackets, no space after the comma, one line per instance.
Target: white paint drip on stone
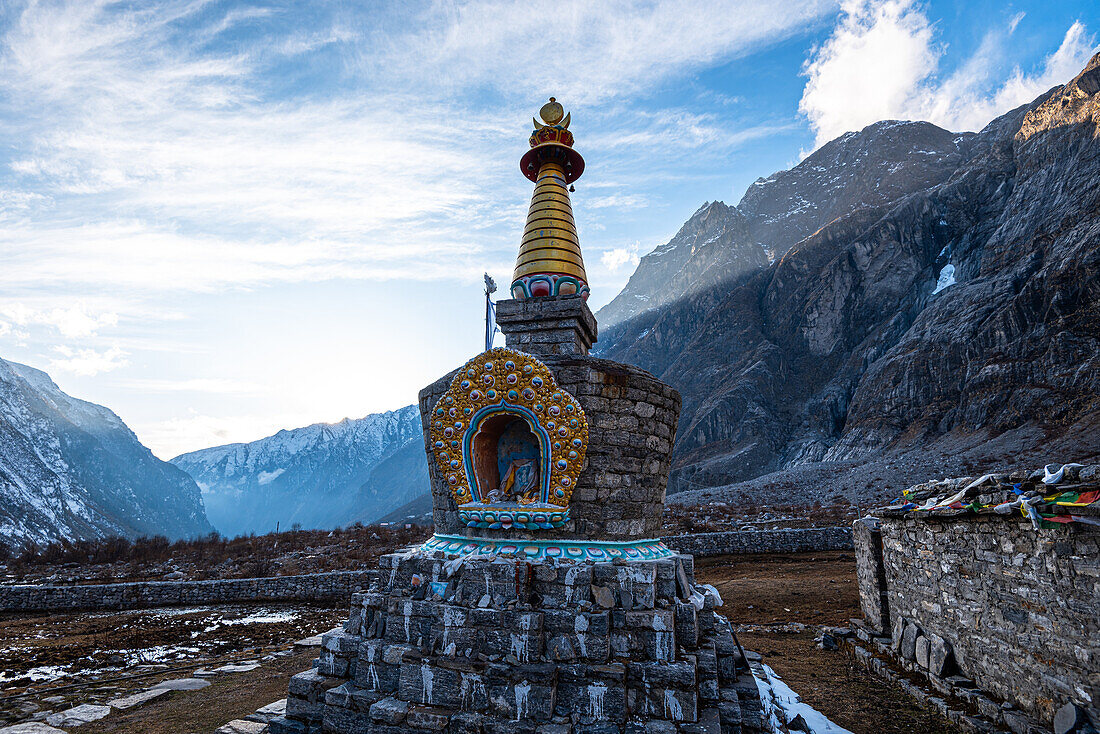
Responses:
[470,685]
[520,641]
[596,693]
[626,579]
[673,710]
[452,617]
[427,677]
[372,671]
[570,579]
[523,690]
[580,626]
[664,639]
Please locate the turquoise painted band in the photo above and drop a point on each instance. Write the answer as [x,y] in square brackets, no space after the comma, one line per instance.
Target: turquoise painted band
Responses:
[578,550]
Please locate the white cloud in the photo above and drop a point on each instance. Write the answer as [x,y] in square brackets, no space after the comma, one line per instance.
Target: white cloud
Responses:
[153,158]
[87,362]
[616,201]
[585,50]
[154,152]
[72,321]
[620,257]
[881,63]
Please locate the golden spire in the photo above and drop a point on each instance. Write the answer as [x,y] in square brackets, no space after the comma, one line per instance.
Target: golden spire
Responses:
[550,262]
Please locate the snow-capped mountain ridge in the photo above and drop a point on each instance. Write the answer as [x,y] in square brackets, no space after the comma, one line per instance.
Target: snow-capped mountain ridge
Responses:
[321,475]
[934,297]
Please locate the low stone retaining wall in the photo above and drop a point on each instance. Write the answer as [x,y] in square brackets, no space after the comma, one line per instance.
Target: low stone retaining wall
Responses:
[331,586]
[739,542]
[339,585]
[990,602]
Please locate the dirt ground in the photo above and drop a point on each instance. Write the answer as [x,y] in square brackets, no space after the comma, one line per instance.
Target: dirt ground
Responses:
[766,593]
[812,588]
[62,660]
[228,697]
[53,649]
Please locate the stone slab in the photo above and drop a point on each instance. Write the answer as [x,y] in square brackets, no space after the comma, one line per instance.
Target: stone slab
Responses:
[85,713]
[266,714]
[136,699]
[183,684]
[31,727]
[240,726]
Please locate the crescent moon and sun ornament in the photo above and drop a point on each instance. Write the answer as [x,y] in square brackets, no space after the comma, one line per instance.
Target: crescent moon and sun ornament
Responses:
[551,114]
[509,442]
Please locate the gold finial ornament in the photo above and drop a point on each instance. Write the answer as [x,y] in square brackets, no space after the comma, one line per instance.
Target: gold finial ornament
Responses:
[552,112]
[550,262]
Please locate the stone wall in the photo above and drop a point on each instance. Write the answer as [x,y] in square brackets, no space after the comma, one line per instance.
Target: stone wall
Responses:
[993,600]
[332,586]
[738,542]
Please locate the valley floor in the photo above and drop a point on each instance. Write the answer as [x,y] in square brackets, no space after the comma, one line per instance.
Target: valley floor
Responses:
[777,603]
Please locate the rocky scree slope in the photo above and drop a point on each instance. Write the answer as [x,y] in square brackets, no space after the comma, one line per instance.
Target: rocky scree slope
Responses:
[319,476]
[853,364]
[70,469]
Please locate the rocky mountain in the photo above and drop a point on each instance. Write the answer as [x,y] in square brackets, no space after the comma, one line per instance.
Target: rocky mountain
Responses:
[882,163]
[932,308]
[321,476]
[72,469]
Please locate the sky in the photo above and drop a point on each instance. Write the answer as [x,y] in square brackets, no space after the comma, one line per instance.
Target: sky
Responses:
[221,219]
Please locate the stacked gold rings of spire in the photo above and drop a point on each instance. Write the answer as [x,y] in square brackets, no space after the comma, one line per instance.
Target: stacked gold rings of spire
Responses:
[550,261]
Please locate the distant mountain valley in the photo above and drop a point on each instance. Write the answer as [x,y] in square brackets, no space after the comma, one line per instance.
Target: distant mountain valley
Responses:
[320,476]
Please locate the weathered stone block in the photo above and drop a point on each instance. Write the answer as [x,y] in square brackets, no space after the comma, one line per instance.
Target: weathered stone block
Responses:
[672,704]
[596,700]
[909,641]
[389,711]
[921,651]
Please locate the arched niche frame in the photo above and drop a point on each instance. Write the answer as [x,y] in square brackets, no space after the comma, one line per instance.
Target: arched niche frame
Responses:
[490,393]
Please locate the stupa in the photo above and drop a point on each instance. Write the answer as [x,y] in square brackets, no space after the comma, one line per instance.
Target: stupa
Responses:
[545,600]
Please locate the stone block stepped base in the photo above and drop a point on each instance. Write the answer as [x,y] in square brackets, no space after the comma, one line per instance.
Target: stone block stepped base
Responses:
[507,646]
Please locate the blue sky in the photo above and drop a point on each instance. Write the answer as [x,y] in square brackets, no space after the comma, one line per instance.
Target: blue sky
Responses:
[225,218]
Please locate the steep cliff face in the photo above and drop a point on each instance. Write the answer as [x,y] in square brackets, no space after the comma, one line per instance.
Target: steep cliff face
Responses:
[949,318]
[70,469]
[324,475]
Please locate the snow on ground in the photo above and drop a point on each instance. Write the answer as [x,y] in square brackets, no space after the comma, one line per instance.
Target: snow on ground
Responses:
[37,675]
[782,707]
